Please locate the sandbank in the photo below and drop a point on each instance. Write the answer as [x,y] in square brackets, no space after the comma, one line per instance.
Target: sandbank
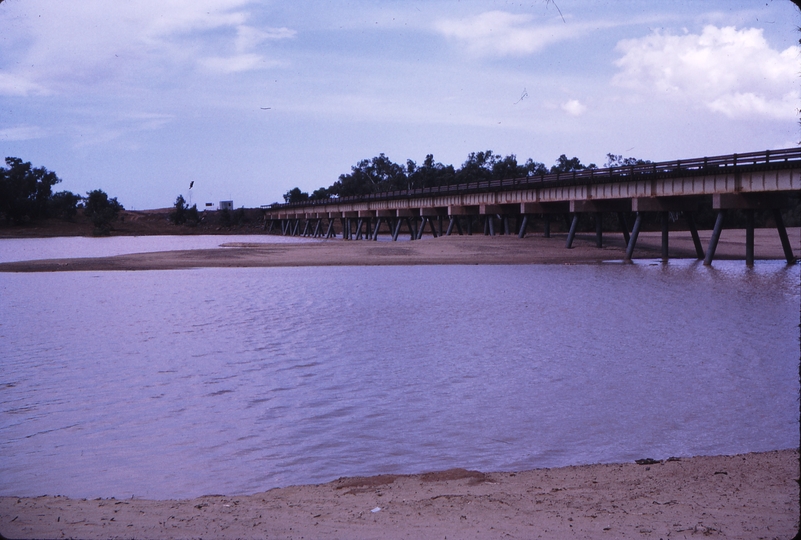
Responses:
[475,249]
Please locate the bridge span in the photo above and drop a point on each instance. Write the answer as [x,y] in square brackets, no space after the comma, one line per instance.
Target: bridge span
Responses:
[755,181]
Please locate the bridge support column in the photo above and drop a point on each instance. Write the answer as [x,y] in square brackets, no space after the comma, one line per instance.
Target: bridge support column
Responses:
[788,250]
[599,230]
[699,250]
[713,242]
[665,234]
[523,227]
[635,232]
[547,219]
[749,237]
[330,232]
[624,226]
[598,206]
[572,234]
[750,202]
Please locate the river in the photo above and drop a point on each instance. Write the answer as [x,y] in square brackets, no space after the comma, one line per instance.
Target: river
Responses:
[174,384]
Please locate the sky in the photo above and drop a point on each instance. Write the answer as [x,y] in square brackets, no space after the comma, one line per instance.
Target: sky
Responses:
[250,98]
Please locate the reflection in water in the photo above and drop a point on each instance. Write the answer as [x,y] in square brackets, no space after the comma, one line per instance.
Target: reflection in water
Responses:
[183,383]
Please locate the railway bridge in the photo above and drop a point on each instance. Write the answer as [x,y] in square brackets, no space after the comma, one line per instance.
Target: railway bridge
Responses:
[755,181]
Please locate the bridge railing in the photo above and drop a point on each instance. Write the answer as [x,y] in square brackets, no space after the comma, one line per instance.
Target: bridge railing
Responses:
[684,167]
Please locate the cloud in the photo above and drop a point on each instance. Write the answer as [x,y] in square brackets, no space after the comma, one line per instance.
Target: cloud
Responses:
[19,85]
[22,133]
[144,40]
[574,107]
[237,63]
[731,72]
[504,34]
[248,37]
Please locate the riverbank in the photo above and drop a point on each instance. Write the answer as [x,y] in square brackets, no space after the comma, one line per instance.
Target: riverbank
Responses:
[745,496]
[476,249]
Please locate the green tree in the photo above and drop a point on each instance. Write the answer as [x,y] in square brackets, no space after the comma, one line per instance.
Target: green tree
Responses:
[616,160]
[64,204]
[429,174]
[563,165]
[178,215]
[101,210]
[477,167]
[534,168]
[25,191]
[320,194]
[370,176]
[295,195]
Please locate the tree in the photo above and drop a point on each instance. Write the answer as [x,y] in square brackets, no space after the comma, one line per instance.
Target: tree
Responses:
[371,176]
[101,210]
[563,165]
[616,160]
[320,194]
[64,204]
[25,191]
[295,195]
[477,167]
[429,174]
[534,168]
[178,216]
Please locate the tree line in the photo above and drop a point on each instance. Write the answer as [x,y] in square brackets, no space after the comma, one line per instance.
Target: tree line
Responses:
[380,174]
[26,195]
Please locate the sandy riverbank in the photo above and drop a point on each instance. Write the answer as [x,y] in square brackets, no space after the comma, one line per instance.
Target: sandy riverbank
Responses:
[747,496]
[476,249]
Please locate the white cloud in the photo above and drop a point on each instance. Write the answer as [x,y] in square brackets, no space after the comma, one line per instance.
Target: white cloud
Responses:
[574,107]
[502,33]
[67,46]
[237,63]
[248,37]
[18,85]
[729,71]
[22,133]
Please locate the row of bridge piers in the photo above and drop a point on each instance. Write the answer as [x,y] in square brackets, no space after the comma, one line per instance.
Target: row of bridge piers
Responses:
[492,219]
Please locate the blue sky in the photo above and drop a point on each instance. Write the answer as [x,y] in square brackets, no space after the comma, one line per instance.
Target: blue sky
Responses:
[251,98]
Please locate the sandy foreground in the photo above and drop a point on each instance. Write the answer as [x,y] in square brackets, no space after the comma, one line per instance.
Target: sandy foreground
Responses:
[745,496]
[476,249]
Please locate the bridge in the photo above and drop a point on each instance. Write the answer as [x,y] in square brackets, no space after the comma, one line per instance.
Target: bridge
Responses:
[756,181]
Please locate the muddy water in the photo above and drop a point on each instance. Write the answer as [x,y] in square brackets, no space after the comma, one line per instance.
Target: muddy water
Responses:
[171,384]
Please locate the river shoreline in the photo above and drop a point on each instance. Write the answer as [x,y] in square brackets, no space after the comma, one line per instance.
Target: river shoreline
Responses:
[462,250]
[753,495]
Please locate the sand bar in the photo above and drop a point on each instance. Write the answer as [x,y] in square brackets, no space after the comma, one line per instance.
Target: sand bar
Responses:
[476,249]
